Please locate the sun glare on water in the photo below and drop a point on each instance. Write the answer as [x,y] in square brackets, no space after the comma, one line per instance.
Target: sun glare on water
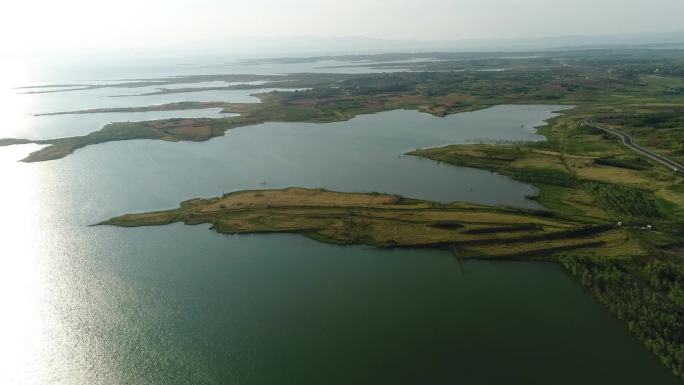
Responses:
[25,325]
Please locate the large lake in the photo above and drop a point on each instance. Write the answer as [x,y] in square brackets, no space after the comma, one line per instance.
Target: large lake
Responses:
[183,305]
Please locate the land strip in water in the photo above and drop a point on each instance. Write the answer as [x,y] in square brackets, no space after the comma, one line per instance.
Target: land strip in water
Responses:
[159,107]
[152,82]
[390,221]
[620,91]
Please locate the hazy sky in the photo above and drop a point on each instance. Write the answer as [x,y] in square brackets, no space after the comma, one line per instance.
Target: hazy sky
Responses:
[48,25]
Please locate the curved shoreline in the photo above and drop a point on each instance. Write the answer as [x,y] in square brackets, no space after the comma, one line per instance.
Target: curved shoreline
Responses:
[202,129]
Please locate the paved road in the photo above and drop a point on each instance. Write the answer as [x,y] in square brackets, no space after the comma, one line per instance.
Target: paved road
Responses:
[629,142]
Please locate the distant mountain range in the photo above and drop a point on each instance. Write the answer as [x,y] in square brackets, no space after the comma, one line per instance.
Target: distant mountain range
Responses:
[221,49]
[297,46]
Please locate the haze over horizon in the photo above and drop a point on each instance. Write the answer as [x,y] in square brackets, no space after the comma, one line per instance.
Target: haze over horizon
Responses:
[76,26]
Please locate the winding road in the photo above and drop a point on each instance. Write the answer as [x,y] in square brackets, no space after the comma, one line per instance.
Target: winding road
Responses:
[629,142]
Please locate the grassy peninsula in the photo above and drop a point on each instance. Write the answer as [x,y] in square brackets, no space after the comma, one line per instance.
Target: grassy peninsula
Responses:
[392,221]
[582,171]
[168,130]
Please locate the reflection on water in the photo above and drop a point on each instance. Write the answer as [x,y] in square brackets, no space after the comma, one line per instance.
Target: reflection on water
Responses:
[28,330]
[27,327]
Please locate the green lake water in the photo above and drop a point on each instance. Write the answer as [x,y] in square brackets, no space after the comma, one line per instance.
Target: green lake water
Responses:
[183,305]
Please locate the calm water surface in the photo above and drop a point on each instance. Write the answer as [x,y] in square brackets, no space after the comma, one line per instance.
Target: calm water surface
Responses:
[183,305]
